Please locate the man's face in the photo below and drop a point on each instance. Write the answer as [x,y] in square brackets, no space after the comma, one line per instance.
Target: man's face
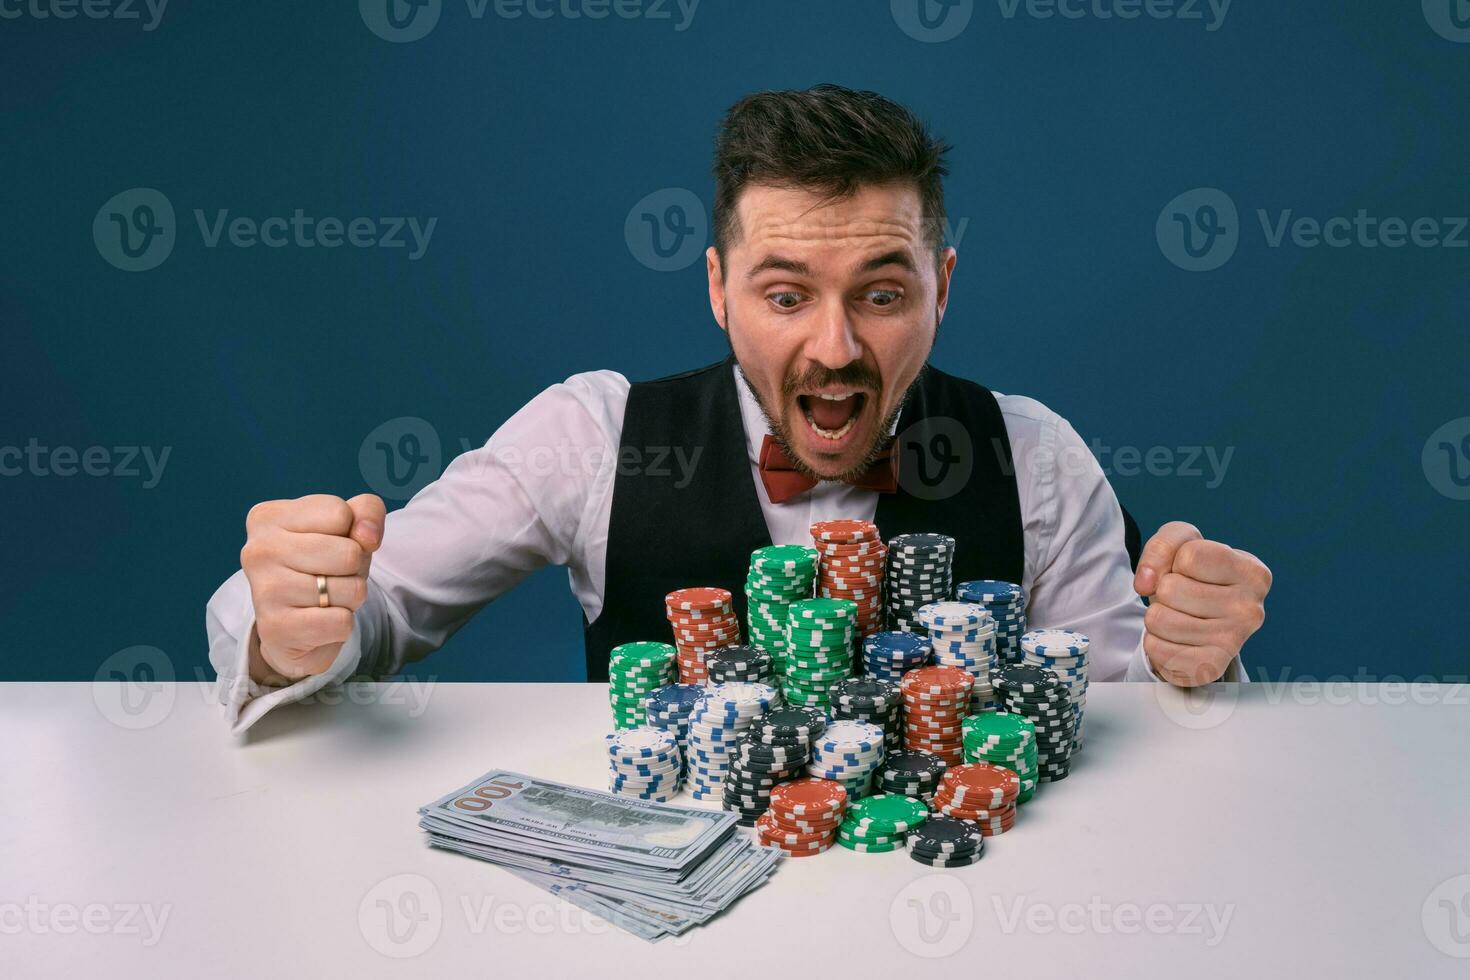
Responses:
[831,310]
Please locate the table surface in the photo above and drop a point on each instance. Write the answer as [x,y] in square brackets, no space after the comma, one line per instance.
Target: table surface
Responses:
[1254,829]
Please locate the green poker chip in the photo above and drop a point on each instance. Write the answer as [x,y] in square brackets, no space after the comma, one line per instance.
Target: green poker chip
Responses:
[866,848]
[887,813]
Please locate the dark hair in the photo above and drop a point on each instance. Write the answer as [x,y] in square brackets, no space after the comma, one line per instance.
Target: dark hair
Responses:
[830,139]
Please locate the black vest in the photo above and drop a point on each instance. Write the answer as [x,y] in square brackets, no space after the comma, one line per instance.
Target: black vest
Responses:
[681,519]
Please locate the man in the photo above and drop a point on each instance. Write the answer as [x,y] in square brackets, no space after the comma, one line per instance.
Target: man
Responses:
[830,279]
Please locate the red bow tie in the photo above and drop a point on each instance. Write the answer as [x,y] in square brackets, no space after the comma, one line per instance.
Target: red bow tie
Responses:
[783,481]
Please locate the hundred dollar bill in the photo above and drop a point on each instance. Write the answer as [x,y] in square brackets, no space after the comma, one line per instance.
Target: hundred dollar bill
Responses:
[654,869]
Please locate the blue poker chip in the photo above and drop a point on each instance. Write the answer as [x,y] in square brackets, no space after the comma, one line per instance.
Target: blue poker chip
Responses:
[989,590]
[674,697]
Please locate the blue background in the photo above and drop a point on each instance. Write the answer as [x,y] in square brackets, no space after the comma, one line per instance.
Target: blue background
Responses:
[264,369]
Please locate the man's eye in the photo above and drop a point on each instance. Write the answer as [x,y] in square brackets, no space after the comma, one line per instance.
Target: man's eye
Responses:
[884,297]
[785,300]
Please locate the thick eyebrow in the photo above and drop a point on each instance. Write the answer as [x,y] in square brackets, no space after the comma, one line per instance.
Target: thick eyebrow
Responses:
[898,257]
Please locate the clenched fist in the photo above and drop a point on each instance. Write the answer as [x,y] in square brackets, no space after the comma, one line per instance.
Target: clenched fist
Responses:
[289,543]
[1205,601]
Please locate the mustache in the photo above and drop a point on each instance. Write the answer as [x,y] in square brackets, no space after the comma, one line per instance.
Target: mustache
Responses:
[849,375]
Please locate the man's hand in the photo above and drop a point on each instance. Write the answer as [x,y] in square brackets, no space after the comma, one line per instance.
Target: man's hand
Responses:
[288,544]
[1205,600]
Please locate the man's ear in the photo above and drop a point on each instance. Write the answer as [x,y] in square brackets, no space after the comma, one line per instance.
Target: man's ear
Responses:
[941,294]
[716,286]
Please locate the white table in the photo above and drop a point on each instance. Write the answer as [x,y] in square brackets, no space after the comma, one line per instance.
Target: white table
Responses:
[1332,835]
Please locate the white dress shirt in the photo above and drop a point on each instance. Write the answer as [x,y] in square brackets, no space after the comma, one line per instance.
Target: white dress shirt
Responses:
[540,492]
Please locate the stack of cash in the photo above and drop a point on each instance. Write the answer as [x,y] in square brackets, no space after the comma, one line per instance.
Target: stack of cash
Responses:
[654,869]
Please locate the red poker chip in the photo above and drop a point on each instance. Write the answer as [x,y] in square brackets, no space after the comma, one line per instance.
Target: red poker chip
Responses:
[979,780]
[971,813]
[802,854]
[712,625]
[933,729]
[773,833]
[843,531]
[699,599]
[856,565]
[792,825]
[863,549]
[809,798]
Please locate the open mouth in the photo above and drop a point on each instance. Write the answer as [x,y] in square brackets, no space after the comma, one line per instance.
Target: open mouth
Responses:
[832,414]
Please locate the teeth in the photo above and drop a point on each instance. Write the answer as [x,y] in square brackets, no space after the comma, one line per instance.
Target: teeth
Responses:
[836,398]
[830,433]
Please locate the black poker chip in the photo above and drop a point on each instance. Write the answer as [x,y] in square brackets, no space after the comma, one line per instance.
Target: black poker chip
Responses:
[946,835]
[793,722]
[916,764]
[947,862]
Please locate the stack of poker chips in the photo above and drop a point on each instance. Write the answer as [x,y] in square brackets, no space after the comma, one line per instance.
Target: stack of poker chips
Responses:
[703,620]
[748,665]
[935,701]
[779,575]
[880,823]
[919,572]
[876,702]
[645,762]
[803,817]
[1007,604]
[912,772]
[981,794]
[852,560]
[1064,653]
[634,671]
[715,726]
[759,766]
[1039,695]
[1004,739]
[669,709]
[944,842]
[889,655]
[848,752]
[819,644]
[963,635]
